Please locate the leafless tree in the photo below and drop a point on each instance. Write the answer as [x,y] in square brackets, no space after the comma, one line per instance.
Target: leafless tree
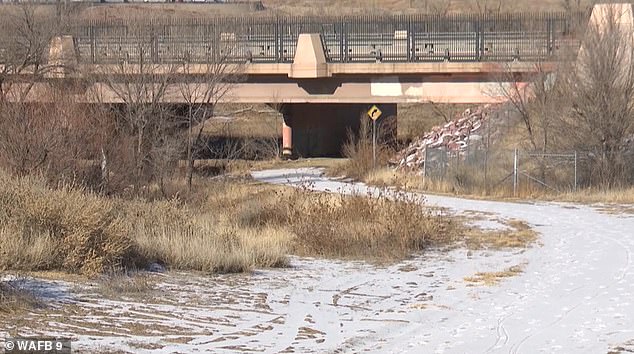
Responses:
[488,6]
[533,100]
[434,7]
[141,84]
[572,6]
[25,35]
[600,89]
[32,136]
[203,86]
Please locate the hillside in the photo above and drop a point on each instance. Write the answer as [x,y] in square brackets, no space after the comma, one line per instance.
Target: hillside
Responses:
[409,6]
[310,7]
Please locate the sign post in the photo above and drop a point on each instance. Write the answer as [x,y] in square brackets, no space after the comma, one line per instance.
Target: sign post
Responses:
[374,113]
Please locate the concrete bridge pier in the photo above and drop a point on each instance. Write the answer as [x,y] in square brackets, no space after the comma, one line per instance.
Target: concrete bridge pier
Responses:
[321,130]
[287,137]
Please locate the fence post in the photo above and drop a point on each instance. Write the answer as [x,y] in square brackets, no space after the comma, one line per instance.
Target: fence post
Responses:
[425,164]
[478,34]
[341,39]
[515,175]
[551,37]
[575,171]
[411,41]
[278,44]
[374,144]
[408,49]
[91,30]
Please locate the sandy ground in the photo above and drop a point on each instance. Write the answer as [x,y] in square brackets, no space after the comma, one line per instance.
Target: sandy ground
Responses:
[575,295]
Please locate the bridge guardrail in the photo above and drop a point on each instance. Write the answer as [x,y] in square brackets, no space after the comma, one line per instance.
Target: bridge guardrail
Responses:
[400,38]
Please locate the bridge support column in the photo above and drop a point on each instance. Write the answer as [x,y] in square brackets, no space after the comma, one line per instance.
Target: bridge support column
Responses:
[61,56]
[287,137]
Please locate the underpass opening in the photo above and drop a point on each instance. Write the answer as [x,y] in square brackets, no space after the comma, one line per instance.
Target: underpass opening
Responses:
[321,130]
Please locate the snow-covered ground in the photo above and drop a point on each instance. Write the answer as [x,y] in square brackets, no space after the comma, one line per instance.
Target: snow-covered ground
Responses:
[576,295]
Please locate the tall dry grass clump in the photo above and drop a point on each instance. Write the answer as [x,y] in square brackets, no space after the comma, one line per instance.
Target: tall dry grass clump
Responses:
[214,232]
[359,151]
[65,228]
[374,228]
[73,230]
[203,241]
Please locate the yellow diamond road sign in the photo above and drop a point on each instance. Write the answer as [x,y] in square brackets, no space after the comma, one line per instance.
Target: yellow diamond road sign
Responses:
[374,113]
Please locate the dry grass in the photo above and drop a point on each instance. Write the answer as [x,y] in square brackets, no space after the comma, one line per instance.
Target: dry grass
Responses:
[204,234]
[225,226]
[75,231]
[519,235]
[403,6]
[65,228]
[618,199]
[360,155]
[327,225]
[124,285]
[141,10]
[255,225]
[494,278]
[300,7]
[369,228]
[208,247]
[626,347]
[615,196]
[14,298]
[460,182]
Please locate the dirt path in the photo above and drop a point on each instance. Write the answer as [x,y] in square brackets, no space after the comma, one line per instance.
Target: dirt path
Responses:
[576,295]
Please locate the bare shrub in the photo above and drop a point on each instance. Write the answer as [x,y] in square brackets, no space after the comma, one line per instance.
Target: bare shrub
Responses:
[359,151]
[374,228]
[365,228]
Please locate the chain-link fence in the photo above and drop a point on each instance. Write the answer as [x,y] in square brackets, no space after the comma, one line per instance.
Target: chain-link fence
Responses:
[505,171]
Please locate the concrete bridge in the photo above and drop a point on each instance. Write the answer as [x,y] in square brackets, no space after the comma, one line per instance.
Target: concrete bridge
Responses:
[323,72]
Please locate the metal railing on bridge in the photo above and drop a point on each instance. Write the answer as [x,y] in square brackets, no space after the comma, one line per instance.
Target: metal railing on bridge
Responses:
[346,39]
